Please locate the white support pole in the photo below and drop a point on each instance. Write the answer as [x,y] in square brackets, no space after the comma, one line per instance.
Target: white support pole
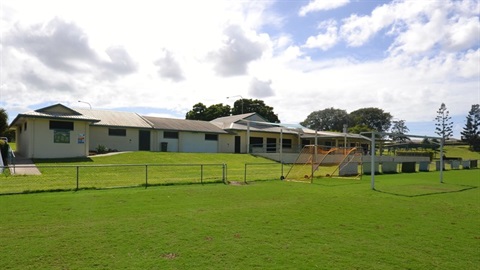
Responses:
[441,160]
[372,155]
[248,137]
[314,160]
[281,150]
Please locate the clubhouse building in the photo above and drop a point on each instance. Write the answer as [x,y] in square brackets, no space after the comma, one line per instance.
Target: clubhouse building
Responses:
[58,131]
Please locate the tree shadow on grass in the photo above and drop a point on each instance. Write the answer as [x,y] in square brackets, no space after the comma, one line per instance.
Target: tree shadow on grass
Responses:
[419,190]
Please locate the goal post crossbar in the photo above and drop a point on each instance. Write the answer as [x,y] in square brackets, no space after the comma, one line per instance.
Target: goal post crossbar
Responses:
[374,134]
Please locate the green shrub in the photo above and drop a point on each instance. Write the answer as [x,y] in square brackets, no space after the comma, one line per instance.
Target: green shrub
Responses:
[101,149]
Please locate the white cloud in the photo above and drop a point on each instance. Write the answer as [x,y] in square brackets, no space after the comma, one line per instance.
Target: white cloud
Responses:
[357,30]
[417,26]
[319,5]
[173,54]
[261,89]
[169,68]
[463,34]
[64,47]
[326,40]
[237,52]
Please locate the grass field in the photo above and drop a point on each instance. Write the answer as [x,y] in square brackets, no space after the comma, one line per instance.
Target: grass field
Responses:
[461,151]
[163,168]
[411,222]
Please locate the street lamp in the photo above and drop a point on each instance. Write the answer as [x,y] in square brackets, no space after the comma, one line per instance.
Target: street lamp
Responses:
[86,103]
[241,100]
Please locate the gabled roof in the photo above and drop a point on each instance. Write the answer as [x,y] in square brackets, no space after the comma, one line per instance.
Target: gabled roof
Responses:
[183,125]
[116,118]
[57,112]
[251,121]
[58,109]
[228,121]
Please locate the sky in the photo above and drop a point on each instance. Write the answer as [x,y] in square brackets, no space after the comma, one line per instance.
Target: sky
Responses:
[160,58]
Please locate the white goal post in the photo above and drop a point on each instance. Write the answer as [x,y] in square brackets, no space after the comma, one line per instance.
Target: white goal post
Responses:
[382,134]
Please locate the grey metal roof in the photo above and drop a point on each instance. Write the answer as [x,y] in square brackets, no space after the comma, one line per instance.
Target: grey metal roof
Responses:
[227,121]
[257,123]
[116,118]
[58,112]
[183,125]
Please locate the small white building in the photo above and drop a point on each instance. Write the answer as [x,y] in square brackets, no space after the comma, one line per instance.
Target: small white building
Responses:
[53,132]
[60,132]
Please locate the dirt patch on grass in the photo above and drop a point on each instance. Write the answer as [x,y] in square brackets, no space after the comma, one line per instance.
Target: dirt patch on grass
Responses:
[170,256]
[236,183]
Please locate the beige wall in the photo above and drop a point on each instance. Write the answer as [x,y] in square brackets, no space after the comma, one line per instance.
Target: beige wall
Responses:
[23,139]
[172,144]
[187,142]
[226,143]
[196,143]
[37,141]
[99,136]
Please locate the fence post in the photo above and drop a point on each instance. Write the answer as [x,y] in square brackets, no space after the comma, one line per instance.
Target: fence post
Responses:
[201,174]
[245,174]
[77,176]
[146,175]
[224,176]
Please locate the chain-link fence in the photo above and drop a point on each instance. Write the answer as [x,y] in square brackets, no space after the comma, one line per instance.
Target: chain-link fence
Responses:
[265,171]
[76,177]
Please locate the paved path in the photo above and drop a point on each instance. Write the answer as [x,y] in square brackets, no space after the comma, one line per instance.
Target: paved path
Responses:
[23,166]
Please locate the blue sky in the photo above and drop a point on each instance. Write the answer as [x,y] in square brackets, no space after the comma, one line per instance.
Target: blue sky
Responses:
[162,57]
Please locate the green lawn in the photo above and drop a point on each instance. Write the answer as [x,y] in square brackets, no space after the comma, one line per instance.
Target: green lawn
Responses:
[461,151]
[411,222]
[129,169]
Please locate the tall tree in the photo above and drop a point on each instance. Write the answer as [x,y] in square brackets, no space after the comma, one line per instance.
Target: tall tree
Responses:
[3,121]
[329,119]
[204,113]
[400,128]
[471,131]
[370,119]
[197,112]
[255,105]
[444,125]
[216,111]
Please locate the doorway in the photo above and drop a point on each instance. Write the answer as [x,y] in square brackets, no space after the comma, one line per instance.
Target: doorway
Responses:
[237,144]
[144,140]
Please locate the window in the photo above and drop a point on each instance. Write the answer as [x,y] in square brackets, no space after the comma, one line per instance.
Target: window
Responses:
[256,141]
[170,134]
[287,143]
[117,132]
[62,125]
[61,136]
[211,137]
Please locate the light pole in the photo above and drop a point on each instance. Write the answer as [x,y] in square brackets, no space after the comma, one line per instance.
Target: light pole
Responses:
[241,100]
[86,103]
